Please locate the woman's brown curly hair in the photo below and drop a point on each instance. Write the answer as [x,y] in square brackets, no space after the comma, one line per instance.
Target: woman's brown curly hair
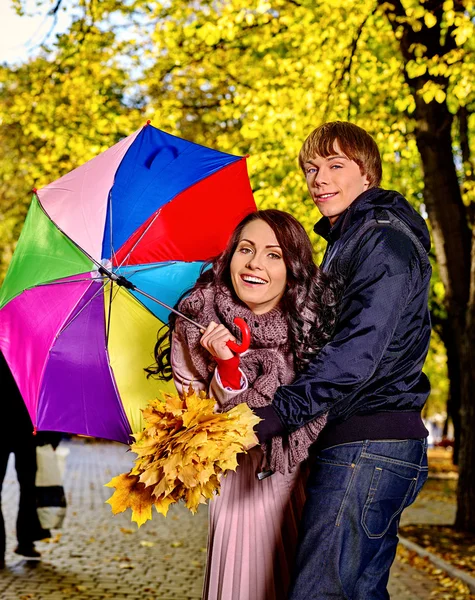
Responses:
[309,301]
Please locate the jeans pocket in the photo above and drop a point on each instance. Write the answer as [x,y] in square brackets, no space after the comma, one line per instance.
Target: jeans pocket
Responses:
[388,495]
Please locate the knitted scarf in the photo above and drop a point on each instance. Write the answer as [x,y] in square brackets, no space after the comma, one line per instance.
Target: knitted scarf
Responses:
[267,364]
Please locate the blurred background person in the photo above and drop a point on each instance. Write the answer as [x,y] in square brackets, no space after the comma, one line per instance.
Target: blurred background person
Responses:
[17,438]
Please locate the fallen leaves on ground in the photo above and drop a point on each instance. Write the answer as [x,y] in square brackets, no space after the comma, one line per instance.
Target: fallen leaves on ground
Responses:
[441,461]
[437,490]
[53,540]
[447,588]
[181,454]
[455,547]
[126,530]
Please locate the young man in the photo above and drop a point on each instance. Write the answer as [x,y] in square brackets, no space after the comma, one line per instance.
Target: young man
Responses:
[371,459]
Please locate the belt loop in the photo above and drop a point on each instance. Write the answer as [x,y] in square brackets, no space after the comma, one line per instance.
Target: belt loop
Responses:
[425,446]
[364,446]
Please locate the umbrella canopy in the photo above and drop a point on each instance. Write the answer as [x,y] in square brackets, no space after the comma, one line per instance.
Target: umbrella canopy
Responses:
[150,209]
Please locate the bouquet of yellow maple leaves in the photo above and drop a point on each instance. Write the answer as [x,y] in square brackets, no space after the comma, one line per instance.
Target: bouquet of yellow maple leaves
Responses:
[181,454]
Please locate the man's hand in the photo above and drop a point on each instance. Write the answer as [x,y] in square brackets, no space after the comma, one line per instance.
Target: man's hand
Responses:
[270,425]
[214,340]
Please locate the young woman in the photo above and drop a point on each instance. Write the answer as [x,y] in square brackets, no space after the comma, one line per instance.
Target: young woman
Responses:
[266,276]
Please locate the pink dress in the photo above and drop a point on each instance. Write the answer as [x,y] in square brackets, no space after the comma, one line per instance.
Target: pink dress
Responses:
[253,523]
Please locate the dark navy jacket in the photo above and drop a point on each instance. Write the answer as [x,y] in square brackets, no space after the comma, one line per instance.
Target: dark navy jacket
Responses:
[369,377]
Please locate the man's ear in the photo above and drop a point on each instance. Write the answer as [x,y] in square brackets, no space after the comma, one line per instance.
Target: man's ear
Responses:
[366,182]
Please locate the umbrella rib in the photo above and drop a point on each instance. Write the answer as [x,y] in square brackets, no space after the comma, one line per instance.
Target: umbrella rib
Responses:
[140,238]
[84,307]
[113,256]
[109,312]
[113,252]
[142,268]
[177,312]
[52,282]
[123,282]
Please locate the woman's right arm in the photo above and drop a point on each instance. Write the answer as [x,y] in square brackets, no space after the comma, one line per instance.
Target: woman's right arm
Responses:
[185,373]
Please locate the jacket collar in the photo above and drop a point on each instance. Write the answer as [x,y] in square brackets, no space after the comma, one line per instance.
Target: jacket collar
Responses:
[344,221]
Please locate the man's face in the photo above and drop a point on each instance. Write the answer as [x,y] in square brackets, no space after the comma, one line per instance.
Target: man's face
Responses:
[334,182]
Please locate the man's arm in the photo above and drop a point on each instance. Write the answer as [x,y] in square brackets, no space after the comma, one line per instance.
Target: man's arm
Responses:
[376,294]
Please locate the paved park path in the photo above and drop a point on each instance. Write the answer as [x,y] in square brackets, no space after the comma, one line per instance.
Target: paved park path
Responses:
[101,556]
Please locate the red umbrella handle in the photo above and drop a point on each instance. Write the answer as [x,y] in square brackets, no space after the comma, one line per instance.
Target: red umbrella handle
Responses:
[245,337]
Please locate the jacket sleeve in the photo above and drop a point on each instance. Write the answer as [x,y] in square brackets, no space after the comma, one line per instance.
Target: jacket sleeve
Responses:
[377,289]
[185,373]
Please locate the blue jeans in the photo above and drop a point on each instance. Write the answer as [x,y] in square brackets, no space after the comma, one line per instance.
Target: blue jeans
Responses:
[356,493]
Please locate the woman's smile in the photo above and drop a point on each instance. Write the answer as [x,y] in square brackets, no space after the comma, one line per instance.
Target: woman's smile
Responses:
[252,280]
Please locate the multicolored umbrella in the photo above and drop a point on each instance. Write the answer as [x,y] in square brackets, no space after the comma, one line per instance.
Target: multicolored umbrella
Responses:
[148,211]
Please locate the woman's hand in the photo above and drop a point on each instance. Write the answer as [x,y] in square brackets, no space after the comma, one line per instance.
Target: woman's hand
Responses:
[214,340]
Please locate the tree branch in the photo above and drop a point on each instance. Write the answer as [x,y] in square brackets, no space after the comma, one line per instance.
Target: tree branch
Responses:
[55,8]
[346,70]
[449,43]
[353,47]
[237,44]
[463,115]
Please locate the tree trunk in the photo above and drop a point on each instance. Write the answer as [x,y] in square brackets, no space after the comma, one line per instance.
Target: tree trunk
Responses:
[451,235]
[465,519]
[449,220]
[447,213]
[453,371]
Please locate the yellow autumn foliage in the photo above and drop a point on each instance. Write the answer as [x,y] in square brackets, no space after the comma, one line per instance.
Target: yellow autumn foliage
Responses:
[182,453]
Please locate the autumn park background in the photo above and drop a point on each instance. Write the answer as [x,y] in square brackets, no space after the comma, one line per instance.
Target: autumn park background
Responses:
[255,77]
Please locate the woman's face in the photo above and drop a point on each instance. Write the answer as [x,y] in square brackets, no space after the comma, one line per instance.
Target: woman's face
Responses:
[258,271]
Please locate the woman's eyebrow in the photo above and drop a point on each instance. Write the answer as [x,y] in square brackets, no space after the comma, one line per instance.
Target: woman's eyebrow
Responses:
[253,243]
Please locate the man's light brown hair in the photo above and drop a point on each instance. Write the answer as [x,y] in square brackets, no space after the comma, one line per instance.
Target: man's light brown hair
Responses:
[354,142]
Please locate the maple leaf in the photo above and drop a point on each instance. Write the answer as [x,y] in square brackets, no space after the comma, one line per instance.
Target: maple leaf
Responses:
[130,493]
[150,476]
[181,454]
[193,498]
[124,484]
[163,504]
[141,507]
[164,487]
[199,438]
[188,475]
[205,474]
[208,489]
[170,464]
[230,463]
